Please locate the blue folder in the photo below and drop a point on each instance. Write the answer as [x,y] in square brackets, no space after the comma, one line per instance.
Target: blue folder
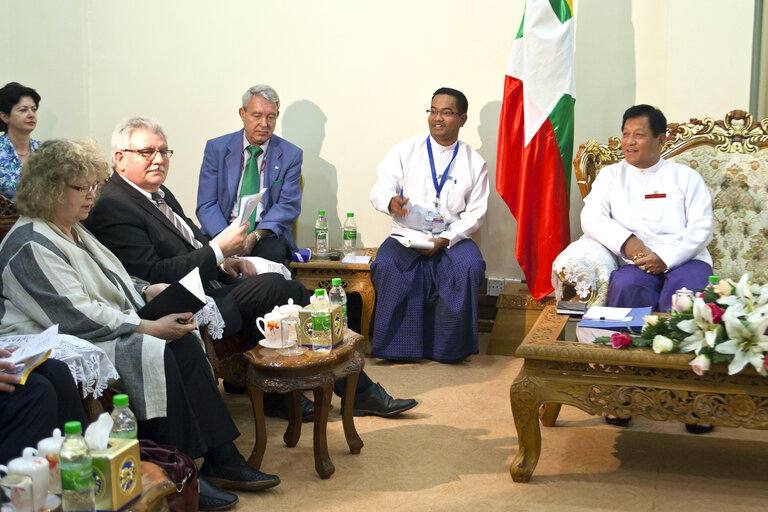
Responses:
[635,325]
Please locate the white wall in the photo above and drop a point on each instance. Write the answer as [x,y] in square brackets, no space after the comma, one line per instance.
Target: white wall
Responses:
[355,78]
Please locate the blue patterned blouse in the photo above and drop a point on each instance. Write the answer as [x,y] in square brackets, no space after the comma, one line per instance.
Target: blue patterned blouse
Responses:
[10,165]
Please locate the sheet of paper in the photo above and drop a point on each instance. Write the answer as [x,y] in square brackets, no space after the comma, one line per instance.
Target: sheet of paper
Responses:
[193,283]
[413,244]
[265,266]
[247,205]
[30,344]
[608,313]
[353,258]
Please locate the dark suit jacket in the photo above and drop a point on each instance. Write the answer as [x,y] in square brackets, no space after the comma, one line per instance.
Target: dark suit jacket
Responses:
[220,177]
[148,244]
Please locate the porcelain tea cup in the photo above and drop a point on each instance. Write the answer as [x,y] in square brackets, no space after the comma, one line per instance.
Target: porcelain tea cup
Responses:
[269,326]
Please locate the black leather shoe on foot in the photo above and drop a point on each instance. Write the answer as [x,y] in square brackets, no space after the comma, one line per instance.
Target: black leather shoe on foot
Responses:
[213,498]
[276,406]
[701,428]
[239,477]
[377,402]
[613,420]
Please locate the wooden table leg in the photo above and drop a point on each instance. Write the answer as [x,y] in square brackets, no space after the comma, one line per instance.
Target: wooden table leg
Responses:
[368,296]
[260,425]
[525,400]
[323,464]
[293,431]
[347,417]
[548,414]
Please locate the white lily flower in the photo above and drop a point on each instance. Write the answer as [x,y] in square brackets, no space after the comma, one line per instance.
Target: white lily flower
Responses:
[701,329]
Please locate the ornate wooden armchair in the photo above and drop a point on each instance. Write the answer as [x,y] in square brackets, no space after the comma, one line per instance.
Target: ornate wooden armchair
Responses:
[732,157]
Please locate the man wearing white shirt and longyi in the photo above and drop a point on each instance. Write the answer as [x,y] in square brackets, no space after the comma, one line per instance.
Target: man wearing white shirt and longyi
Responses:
[435,188]
[654,215]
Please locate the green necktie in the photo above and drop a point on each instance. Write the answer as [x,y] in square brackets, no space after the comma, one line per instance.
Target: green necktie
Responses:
[250,183]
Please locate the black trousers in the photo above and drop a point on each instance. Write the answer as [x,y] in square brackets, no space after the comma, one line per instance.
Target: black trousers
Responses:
[273,248]
[30,412]
[197,420]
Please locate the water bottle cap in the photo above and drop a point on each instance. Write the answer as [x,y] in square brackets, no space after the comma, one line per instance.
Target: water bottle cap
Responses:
[320,292]
[120,400]
[714,279]
[73,427]
[350,214]
[336,281]
[321,212]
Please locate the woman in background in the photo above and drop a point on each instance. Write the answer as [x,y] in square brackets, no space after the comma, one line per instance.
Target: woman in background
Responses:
[18,119]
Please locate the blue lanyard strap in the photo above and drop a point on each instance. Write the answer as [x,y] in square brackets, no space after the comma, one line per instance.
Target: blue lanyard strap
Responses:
[444,177]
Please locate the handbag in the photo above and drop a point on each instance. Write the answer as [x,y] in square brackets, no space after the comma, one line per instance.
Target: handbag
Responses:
[181,471]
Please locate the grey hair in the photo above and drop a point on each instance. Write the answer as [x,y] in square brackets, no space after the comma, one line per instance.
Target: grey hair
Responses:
[121,137]
[264,91]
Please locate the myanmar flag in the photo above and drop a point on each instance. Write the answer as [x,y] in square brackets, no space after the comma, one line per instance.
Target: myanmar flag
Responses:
[533,167]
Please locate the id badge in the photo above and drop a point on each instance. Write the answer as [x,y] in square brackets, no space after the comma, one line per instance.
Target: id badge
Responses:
[438,221]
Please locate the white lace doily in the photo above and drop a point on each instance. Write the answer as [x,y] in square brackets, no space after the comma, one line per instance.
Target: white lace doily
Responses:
[585,263]
[210,316]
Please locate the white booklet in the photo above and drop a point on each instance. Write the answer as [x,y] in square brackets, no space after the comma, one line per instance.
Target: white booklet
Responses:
[265,266]
[32,350]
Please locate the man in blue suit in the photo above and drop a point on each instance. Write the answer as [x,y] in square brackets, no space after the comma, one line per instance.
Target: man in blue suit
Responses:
[244,162]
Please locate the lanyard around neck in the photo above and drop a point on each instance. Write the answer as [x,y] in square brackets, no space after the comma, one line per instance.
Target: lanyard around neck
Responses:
[444,177]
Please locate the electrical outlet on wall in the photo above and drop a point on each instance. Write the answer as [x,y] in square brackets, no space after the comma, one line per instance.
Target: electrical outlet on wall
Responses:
[495,286]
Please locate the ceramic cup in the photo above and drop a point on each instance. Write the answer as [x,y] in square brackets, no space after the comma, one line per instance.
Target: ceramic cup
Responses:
[269,326]
[16,493]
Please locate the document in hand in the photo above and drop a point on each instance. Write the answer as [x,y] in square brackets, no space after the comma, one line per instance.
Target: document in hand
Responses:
[615,319]
[184,296]
[413,244]
[247,205]
[31,352]
[265,266]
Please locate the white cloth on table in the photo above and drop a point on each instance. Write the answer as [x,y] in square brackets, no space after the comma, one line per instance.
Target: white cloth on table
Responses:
[676,224]
[464,197]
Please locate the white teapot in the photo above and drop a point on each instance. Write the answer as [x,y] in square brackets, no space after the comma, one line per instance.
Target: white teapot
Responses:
[50,448]
[289,309]
[36,468]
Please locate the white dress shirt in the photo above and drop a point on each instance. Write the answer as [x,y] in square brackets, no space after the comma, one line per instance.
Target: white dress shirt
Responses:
[463,199]
[667,206]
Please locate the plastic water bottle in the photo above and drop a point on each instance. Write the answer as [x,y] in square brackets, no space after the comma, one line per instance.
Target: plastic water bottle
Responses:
[350,234]
[76,471]
[321,323]
[321,233]
[338,296]
[125,425]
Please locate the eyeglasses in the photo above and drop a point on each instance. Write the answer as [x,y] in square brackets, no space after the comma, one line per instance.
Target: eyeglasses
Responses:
[86,189]
[149,153]
[445,113]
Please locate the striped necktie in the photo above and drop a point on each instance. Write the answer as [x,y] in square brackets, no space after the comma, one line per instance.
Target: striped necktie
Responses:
[176,221]
[250,184]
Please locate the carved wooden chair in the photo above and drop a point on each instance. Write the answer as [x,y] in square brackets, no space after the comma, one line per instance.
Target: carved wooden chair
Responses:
[732,157]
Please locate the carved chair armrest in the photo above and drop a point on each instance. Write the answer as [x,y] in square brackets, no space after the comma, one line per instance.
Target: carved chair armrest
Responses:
[585,265]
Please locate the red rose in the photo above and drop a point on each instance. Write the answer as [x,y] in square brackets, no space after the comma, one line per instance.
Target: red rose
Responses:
[717,312]
[620,340]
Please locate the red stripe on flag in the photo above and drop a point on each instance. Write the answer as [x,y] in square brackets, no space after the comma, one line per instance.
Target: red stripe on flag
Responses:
[531,180]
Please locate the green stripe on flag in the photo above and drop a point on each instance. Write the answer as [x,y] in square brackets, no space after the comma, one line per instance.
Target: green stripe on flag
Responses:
[562,10]
[561,118]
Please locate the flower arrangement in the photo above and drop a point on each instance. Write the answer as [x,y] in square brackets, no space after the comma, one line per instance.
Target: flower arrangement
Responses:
[725,322]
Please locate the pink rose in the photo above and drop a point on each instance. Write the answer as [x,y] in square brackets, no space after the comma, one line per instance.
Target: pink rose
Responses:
[717,312]
[620,340]
[701,364]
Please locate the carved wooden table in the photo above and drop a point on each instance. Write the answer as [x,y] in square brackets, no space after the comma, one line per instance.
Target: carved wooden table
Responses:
[272,373]
[355,277]
[628,382]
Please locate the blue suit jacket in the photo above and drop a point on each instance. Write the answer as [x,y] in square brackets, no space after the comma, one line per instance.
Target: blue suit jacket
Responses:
[220,177]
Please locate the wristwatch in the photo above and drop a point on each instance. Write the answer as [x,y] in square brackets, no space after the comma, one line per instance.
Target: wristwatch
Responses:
[258,236]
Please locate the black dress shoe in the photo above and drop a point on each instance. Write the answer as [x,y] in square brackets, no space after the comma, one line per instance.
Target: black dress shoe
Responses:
[614,420]
[276,406]
[377,402]
[699,428]
[234,389]
[213,498]
[239,476]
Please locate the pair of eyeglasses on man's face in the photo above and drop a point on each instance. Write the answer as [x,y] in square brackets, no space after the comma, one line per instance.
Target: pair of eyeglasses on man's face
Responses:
[149,153]
[445,113]
[86,189]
